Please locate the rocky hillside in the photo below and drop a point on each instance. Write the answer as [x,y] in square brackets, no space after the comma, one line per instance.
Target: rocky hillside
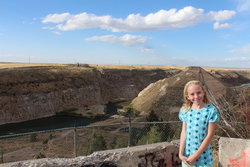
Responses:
[166,96]
[231,77]
[28,93]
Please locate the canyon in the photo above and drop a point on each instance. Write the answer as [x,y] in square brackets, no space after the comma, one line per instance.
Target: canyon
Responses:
[32,92]
[28,93]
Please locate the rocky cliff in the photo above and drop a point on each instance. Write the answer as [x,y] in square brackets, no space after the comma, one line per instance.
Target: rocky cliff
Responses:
[34,92]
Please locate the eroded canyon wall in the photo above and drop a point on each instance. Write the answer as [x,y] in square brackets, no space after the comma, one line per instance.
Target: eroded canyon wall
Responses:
[36,92]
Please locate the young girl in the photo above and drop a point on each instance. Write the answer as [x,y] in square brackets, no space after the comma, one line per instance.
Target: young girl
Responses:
[198,126]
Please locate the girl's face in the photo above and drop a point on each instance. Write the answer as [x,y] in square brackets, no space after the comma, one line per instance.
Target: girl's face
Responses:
[195,94]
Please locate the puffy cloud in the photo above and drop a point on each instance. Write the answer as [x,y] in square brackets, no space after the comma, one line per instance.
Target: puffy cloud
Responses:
[221,15]
[85,21]
[243,50]
[56,18]
[163,19]
[127,39]
[218,25]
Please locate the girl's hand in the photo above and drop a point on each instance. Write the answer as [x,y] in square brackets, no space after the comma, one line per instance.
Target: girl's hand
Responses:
[184,159]
[192,158]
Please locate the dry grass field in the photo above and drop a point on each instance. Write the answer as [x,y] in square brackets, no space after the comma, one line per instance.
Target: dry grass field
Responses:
[16,65]
[140,67]
[13,65]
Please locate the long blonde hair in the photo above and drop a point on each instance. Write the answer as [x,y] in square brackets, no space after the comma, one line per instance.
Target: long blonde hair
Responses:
[187,103]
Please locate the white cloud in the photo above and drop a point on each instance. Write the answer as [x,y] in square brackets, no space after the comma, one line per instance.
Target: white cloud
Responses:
[163,19]
[218,25]
[56,18]
[243,50]
[243,5]
[221,15]
[127,39]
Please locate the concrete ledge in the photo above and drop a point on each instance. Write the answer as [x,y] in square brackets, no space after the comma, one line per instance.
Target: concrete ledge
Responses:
[159,154]
[234,152]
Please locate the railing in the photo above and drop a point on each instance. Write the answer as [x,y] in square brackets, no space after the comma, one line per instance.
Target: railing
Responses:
[83,140]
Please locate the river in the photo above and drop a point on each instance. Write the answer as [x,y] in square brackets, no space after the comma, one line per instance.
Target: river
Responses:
[54,122]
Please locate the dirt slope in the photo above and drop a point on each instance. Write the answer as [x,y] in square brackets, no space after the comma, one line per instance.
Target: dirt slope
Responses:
[166,96]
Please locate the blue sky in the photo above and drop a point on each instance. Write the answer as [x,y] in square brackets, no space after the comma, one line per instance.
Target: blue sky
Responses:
[214,33]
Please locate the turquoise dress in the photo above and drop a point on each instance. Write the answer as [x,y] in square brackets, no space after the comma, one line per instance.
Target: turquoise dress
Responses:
[196,131]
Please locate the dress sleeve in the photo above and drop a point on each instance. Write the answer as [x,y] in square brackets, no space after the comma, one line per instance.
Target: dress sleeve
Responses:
[182,115]
[214,115]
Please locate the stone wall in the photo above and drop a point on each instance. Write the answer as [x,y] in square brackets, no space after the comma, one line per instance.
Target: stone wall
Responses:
[153,155]
[234,152]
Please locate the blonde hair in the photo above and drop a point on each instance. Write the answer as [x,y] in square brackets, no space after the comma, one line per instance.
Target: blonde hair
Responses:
[187,103]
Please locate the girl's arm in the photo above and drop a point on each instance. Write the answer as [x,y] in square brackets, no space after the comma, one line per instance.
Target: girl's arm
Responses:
[182,144]
[182,139]
[211,129]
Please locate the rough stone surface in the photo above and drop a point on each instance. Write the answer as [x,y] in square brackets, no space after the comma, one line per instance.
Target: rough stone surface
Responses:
[234,152]
[159,154]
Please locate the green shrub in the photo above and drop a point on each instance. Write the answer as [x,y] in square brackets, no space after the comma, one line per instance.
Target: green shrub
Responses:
[118,142]
[130,111]
[97,143]
[40,155]
[45,141]
[153,136]
[33,138]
